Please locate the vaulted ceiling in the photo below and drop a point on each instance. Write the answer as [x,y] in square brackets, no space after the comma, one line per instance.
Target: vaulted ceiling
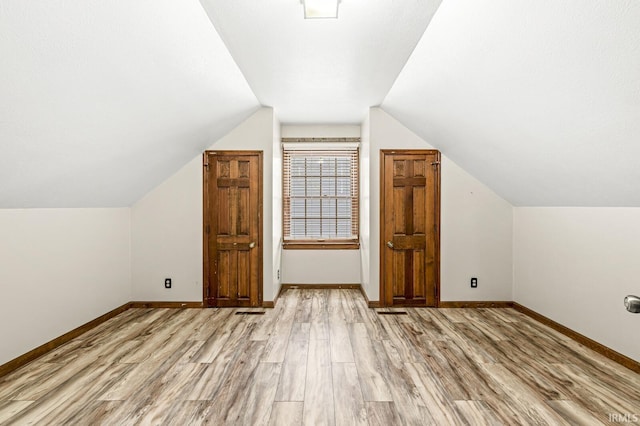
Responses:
[540,99]
[101,101]
[321,70]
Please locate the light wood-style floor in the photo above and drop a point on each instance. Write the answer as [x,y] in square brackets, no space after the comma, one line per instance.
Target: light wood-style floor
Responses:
[320,357]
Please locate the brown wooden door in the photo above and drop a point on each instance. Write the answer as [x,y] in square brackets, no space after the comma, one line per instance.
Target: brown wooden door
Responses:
[410,236]
[233,228]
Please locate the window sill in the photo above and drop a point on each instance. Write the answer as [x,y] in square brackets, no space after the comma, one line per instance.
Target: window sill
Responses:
[321,245]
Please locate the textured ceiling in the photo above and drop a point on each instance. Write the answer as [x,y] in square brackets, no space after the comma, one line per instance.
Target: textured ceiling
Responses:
[321,70]
[540,100]
[102,100]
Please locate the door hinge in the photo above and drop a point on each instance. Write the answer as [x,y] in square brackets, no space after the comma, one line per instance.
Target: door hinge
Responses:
[435,163]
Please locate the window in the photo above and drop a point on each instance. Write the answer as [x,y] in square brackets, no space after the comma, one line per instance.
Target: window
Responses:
[320,195]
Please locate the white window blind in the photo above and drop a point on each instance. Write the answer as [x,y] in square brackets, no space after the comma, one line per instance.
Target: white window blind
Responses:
[320,194]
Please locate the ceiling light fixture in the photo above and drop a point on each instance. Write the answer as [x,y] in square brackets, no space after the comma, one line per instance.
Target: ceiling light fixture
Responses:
[314,9]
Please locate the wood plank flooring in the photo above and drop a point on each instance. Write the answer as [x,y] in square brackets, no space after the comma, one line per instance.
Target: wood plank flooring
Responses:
[321,357]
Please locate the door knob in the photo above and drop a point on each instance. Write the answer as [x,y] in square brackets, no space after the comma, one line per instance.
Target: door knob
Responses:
[252,245]
[389,244]
[632,303]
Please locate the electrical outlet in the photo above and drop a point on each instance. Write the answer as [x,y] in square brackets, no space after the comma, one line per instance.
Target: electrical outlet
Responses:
[474,282]
[167,283]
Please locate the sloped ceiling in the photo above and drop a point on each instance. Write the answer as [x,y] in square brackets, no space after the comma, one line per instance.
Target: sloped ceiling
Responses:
[102,100]
[540,100]
[321,70]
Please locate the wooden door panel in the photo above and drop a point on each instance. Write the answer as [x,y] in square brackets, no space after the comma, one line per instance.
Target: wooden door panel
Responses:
[243,274]
[419,218]
[419,168]
[409,228]
[409,242]
[399,225]
[398,276]
[243,227]
[223,217]
[233,207]
[419,279]
[224,280]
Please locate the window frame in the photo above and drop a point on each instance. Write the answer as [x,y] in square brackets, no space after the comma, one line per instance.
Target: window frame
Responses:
[317,146]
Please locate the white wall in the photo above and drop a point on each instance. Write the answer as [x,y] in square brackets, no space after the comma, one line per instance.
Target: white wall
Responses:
[320,266]
[365,207]
[166,236]
[320,131]
[167,222]
[276,208]
[476,238]
[576,265]
[476,224]
[59,268]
